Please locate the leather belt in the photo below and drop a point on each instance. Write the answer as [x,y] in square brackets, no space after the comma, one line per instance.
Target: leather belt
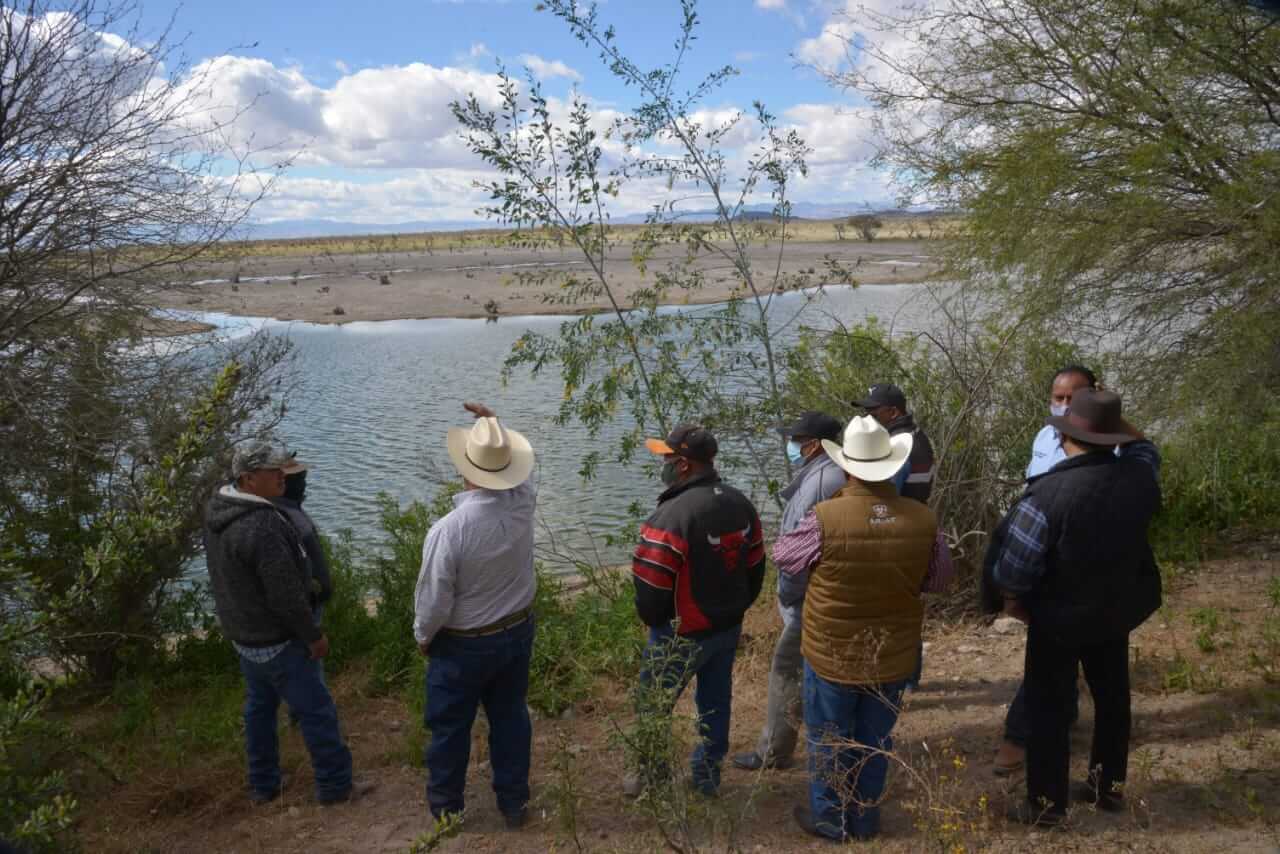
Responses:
[508,622]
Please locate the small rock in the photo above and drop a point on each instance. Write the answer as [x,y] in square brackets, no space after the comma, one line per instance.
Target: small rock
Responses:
[294,812]
[1007,626]
[396,726]
[966,649]
[568,714]
[927,645]
[337,309]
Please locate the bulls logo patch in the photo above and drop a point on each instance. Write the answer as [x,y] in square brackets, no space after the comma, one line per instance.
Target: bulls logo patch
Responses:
[731,547]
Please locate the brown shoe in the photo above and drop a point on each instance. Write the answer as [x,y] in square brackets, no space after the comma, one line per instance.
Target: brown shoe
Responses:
[1010,759]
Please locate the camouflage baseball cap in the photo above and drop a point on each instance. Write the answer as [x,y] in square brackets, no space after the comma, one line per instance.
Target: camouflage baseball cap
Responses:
[264,455]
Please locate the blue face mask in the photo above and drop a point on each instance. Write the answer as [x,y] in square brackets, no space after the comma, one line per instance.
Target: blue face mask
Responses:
[794,453]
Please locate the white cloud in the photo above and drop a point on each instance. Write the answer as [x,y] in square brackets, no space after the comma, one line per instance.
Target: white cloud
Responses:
[844,39]
[341,66]
[771,4]
[544,69]
[395,116]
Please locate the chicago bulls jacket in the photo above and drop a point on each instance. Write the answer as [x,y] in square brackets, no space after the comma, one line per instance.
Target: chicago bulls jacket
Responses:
[700,559]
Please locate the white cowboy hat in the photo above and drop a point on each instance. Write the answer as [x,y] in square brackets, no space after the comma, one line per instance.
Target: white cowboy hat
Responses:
[489,455]
[869,452]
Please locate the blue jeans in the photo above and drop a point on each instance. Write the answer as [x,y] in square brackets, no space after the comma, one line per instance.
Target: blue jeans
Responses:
[462,674]
[847,724]
[672,663]
[295,677]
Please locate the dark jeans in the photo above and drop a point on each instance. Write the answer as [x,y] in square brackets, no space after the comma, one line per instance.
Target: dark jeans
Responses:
[1017,723]
[848,725]
[672,663]
[462,674]
[1050,681]
[293,676]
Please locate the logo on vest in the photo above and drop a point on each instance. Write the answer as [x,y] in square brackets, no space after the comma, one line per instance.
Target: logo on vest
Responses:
[880,515]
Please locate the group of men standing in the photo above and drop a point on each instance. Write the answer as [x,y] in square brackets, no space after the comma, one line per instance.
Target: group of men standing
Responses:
[856,548]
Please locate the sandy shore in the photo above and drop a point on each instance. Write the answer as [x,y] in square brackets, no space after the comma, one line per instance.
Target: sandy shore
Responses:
[329,288]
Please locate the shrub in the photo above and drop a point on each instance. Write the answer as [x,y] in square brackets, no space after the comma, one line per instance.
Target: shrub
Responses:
[35,809]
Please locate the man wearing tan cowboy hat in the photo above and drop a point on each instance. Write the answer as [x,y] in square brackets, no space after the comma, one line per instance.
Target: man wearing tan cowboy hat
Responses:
[697,568]
[261,583]
[1074,562]
[859,561]
[473,617]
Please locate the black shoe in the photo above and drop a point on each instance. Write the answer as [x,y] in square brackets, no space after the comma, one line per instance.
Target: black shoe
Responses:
[516,820]
[1024,812]
[259,799]
[754,762]
[1089,794]
[804,818]
[359,788]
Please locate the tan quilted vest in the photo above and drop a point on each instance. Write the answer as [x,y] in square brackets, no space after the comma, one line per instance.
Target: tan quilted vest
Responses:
[862,610]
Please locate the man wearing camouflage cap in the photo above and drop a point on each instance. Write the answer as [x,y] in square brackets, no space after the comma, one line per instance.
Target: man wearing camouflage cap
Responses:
[259,576]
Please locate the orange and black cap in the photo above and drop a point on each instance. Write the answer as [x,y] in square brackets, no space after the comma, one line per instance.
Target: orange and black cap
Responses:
[687,440]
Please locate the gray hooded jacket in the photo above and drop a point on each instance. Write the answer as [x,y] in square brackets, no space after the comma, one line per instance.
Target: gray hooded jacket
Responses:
[258,571]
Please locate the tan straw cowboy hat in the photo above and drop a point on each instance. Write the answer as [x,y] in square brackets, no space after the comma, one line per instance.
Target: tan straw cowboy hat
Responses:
[489,455]
[869,453]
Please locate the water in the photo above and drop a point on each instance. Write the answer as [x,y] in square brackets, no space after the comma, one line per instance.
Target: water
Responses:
[376,398]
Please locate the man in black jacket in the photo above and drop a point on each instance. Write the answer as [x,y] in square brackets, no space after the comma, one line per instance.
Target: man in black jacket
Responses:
[697,568]
[1074,562]
[259,576]
[887,404]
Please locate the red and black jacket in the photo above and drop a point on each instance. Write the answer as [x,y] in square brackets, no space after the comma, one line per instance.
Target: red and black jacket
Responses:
[700,559]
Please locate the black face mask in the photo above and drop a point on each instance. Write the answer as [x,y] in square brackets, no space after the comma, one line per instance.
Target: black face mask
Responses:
[295,486]
[670,475]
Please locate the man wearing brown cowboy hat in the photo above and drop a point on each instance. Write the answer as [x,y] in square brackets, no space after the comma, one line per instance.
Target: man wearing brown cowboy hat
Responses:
[473,616]
[1075,563]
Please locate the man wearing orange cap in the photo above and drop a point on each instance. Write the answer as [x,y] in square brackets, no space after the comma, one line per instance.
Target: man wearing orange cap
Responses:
[697,568]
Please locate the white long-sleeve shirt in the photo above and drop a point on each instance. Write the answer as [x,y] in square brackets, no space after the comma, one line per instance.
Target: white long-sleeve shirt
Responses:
[477,562]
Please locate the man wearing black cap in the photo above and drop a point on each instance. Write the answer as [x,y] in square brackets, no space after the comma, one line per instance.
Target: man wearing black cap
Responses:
[697,568]
[817,478]
[887,404]
[1076,565]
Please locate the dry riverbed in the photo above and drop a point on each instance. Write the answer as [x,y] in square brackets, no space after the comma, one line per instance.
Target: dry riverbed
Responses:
[324,287]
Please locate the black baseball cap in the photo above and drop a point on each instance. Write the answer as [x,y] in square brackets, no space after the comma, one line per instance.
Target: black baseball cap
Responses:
[813,424]
[687,440]
[883,394]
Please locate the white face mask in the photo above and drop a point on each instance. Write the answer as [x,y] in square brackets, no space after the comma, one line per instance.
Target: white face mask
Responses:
[1059,409]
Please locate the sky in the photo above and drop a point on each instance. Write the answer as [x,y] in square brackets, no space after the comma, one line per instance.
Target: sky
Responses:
[359,92]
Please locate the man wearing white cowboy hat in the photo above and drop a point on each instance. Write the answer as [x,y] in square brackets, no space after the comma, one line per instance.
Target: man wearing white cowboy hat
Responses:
[473,617]
[860,561]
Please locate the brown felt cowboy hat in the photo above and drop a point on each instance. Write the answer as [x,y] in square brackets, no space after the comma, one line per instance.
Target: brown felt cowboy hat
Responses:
[1095,417]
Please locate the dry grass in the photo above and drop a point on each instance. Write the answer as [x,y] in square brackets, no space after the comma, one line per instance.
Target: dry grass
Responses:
[1205,768]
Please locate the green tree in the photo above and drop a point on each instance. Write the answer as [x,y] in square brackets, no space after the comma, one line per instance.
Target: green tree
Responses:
[1118,164]
[718,365]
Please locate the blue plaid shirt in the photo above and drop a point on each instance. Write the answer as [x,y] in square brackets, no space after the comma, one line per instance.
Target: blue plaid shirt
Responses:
[1020,563]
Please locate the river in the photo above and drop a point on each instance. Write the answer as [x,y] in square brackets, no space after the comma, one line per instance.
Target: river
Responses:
[376,398]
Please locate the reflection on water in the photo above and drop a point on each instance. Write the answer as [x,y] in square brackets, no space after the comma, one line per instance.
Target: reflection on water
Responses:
[376,399]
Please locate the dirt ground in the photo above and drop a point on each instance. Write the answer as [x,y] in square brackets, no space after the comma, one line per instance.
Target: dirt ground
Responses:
[459,281]
[1204,772]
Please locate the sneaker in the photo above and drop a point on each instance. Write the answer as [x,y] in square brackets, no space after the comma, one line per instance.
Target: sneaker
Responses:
[359,788]
[262,798]
[516,820]
[753,761]
[1023,811]
[1089,794]
[1010,759]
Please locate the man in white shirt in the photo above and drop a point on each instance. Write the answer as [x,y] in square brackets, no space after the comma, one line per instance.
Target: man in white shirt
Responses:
[473,617]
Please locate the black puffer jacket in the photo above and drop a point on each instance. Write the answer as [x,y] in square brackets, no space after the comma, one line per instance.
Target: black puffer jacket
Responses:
[257,570]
